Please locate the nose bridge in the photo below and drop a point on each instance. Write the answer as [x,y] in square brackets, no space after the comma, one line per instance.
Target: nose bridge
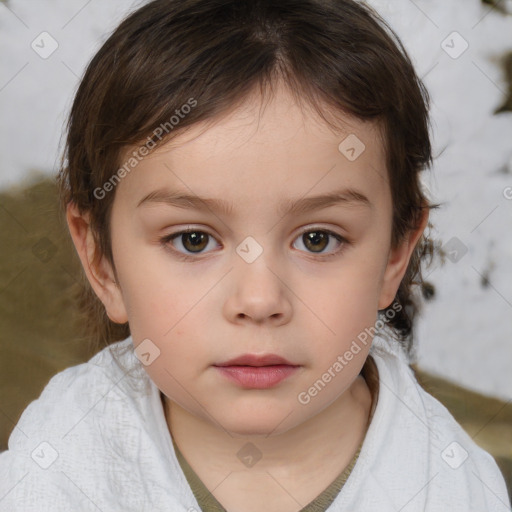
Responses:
[253,266]
[258,291]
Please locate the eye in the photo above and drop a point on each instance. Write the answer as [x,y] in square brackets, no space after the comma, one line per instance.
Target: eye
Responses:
[192,241]
[317,240]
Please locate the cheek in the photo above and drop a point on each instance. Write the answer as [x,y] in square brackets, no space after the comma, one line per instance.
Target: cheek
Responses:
[176,339]
[158,307]
[155,292]
[164,306]
[349,297]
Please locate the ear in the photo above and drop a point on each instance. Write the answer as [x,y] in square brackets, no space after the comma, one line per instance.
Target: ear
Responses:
[397,263]
[100,275]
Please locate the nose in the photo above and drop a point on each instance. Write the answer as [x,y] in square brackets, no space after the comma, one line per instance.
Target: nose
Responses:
[258,294]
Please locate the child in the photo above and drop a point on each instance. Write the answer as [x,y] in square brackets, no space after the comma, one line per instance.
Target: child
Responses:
[241,184]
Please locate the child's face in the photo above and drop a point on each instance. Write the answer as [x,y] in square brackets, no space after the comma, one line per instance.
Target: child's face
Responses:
[290,301]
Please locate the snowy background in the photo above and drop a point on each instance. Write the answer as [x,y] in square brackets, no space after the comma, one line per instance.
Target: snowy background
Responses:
[465,333]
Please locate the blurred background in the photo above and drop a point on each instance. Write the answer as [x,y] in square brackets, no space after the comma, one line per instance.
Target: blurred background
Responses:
[462,50]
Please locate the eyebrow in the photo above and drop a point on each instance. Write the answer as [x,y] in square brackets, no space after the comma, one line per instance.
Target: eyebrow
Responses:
[349,197]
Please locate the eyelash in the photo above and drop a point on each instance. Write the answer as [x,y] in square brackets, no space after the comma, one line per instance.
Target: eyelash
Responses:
[164,241]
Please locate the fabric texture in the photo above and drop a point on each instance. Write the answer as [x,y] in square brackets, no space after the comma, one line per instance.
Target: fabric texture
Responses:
[97,439]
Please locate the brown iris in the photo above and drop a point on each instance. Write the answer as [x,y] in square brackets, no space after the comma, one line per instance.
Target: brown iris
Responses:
[194,241]
[312,239]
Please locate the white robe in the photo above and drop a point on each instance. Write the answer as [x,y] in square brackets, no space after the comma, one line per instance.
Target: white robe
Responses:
[96,440]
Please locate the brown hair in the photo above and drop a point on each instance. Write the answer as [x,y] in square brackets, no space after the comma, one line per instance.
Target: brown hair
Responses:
[339,56]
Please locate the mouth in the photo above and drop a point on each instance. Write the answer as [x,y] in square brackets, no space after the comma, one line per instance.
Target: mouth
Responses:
[257,372]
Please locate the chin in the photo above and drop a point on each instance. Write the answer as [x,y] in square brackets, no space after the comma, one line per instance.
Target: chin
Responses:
[259,423]
[254,431]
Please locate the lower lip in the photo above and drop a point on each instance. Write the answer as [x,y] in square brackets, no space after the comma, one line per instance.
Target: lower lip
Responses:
[257,377]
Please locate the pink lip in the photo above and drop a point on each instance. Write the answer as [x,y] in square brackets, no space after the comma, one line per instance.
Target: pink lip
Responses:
[257,372]
[254,360]
[257,377]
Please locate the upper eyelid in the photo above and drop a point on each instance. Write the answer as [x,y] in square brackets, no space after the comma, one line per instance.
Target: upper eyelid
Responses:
[302,230]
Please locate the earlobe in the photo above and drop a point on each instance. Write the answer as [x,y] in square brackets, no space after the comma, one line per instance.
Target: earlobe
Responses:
[99,273]
[398,261]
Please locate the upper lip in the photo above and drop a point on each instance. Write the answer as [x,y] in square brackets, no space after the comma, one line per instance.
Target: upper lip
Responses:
[255,360]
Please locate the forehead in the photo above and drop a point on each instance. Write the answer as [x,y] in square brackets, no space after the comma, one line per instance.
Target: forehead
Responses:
[265,152]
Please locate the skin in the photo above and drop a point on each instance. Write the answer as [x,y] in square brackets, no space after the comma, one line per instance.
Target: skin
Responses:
[291,301]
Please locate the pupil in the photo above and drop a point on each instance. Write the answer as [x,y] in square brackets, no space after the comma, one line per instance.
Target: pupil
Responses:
[315,238]
[196,240]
